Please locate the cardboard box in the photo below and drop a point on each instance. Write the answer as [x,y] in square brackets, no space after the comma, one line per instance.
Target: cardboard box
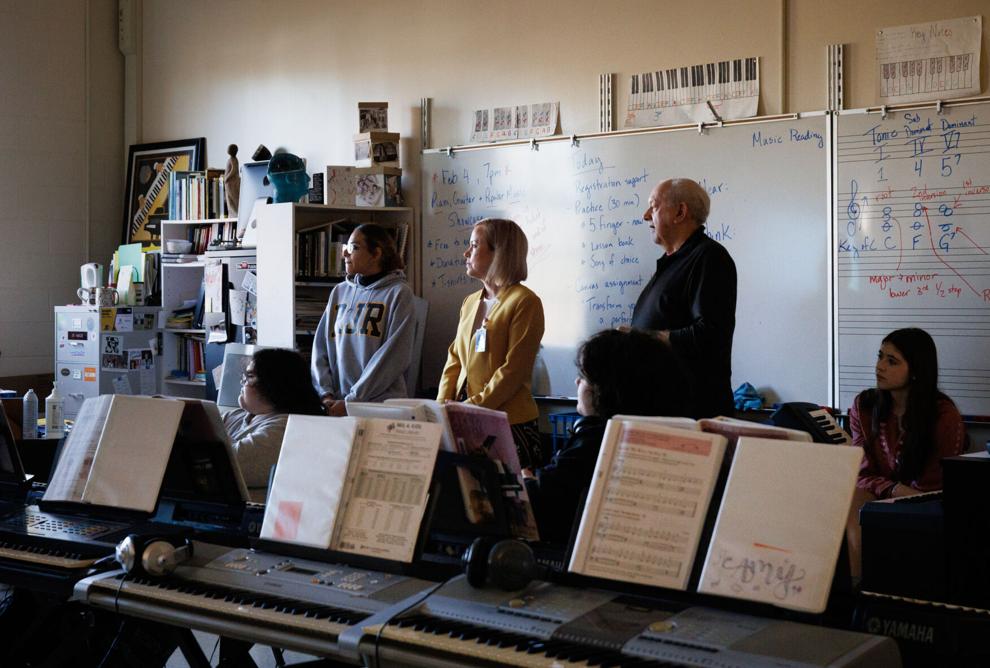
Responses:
[340,185]
[372,116]
[378,186]
[376,148]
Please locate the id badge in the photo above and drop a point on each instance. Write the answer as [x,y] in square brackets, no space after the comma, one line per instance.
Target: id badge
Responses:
[481,340]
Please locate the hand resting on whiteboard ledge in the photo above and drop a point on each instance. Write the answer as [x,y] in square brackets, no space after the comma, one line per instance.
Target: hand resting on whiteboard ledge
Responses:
[631,373]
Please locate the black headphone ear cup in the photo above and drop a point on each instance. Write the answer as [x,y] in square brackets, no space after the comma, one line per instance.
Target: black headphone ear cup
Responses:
[511,565]
[475,561]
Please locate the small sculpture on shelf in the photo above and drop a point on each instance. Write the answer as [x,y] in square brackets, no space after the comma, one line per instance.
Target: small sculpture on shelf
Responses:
[232,181]
[287,173]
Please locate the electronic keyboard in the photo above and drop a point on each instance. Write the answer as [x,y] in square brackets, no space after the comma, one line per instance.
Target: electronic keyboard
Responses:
[550,625]
[296,604]
[813,419]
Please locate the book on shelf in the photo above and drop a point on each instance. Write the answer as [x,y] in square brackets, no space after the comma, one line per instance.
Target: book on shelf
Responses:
[180,258]
[189,358]
[319,250]
[197,195]
[357,485]
[100,463]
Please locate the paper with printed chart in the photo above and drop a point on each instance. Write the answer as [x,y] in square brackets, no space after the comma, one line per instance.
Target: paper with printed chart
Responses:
[647,504]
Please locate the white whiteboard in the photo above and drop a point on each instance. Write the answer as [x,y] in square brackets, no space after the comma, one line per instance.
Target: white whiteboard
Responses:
[591,253]
[913,237]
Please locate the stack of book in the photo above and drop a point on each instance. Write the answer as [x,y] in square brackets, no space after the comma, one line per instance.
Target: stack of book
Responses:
[309,310]
[181,318]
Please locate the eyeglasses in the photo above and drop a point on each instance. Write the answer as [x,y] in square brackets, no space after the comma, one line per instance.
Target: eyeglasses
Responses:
[248,377]
[350,247]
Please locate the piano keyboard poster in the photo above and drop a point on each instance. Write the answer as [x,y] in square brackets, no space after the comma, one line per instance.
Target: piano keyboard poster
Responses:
[697,93]
[929,61]
[146,195]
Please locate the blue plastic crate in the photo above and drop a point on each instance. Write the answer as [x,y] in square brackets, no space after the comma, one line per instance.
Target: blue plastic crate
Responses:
[560,427]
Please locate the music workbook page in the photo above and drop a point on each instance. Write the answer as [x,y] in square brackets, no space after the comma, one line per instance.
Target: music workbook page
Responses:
[69,480]
[647,505]
[387,497]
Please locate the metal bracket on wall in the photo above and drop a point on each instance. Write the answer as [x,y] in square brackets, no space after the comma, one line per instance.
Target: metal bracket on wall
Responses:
[425,104]
[605,115]
[834,64]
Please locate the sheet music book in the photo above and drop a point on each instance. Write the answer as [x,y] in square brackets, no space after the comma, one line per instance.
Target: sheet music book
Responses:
[356,485]
[117,452]
[202,424]
[647,504]
[781,523]
[484,431]
[733,429]
[434,412]
[667,421]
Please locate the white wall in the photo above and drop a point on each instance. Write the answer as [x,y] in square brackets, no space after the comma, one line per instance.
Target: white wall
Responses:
[60,167]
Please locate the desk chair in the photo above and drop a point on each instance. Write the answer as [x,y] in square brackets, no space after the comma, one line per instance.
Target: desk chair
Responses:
[422,308]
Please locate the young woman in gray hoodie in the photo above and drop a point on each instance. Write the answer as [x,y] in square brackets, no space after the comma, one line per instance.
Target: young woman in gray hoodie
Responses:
[364,341]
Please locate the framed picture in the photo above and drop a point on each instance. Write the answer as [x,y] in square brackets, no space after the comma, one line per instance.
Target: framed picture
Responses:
[149,167]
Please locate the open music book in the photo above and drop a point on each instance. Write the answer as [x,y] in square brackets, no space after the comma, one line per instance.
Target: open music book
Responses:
[473,430]
[356,485]
[647,504]
[117,452]
[781,523]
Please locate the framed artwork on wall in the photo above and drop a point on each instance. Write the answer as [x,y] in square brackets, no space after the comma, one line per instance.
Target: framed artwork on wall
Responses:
[149,167]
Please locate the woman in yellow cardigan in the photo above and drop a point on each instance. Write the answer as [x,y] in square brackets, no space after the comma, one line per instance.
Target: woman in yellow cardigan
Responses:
[490,362]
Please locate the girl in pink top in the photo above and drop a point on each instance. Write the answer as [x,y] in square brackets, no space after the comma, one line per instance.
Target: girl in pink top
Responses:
[905,426]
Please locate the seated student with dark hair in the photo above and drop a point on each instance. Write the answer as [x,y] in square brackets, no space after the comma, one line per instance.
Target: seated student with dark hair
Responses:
[619,372]
[904,425]
[275,383]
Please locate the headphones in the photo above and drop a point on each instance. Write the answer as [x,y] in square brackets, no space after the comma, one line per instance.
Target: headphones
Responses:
[506,564]
[154,555]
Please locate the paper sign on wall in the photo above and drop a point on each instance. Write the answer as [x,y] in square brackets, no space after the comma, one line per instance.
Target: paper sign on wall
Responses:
[928,61]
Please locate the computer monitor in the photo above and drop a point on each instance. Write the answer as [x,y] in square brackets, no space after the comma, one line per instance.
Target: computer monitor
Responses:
[254,187]
[236,357]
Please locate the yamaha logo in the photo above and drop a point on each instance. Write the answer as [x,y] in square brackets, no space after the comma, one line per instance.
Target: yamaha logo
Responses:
[901,630]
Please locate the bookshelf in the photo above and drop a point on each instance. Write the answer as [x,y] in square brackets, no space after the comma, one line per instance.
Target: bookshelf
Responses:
[201,232]
[290,305]
[181,282]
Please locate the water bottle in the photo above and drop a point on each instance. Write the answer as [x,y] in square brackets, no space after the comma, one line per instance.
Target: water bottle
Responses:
[29,420]
[54,414]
